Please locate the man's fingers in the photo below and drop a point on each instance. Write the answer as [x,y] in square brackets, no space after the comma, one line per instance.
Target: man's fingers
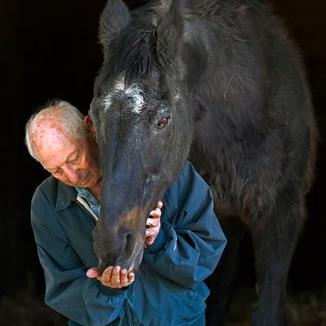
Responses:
[115,278]
[152,222]
[157,211]
[152,231]
[131,277]
[123,277]
[149,240]
[155,214]
[107,275]
[93,273]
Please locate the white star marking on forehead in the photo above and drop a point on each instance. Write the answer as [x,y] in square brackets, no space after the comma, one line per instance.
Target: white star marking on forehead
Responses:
[118,87]
[107,101]
[133,93]
[135,96]
[120,84]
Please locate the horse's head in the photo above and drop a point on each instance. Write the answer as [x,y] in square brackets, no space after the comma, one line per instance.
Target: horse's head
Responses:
[143,129]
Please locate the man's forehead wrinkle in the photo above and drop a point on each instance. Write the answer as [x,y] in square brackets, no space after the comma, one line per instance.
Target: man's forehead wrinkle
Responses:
[58,161]
[57,151]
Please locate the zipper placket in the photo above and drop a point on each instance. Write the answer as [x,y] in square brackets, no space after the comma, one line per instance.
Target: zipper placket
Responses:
[82,202]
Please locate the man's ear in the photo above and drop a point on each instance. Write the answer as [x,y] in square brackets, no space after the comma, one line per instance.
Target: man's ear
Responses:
[90,126]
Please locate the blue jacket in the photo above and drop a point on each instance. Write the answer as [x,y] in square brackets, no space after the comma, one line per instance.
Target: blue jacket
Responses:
[168,288]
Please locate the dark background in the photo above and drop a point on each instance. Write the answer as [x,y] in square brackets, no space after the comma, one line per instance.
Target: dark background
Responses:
[49,49]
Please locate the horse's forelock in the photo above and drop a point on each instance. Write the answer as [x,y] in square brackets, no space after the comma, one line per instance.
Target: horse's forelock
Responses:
[136,53]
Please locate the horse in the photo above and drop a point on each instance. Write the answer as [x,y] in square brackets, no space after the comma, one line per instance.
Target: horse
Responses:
[221,84]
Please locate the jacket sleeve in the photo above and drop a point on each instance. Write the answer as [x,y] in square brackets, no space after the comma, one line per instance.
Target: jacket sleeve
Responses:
[68,290]
[191,241]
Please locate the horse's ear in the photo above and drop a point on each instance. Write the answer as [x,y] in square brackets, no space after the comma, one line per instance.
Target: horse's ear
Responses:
[114,18]
[169,34]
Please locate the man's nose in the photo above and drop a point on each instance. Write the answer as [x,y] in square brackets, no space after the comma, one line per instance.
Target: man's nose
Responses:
[72,174]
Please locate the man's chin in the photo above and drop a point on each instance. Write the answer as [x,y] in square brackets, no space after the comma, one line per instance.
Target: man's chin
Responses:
[87,182]
[83,185]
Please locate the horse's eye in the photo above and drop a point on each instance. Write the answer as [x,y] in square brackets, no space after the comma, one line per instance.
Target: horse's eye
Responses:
[162,123]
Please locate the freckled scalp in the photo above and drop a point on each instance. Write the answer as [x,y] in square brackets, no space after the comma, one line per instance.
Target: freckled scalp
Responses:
[58,115]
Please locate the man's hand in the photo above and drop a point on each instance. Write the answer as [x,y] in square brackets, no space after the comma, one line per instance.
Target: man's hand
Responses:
[113,276]
[153,224]
[117,278]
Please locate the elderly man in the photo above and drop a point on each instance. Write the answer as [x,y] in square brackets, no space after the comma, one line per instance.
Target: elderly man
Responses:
[180,252]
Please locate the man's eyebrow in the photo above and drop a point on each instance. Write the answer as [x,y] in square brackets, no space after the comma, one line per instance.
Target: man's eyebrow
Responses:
[71,155]
[67,160]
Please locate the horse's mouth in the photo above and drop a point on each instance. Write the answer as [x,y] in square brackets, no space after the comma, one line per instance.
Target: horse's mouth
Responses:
[130,264]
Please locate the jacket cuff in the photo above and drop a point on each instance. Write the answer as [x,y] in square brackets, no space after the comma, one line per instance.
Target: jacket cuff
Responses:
[158,243]
[110,291]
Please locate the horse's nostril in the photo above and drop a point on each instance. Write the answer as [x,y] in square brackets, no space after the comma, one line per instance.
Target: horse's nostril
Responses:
[129,242]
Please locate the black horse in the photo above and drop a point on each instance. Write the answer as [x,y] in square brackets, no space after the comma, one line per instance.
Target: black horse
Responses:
[217,82]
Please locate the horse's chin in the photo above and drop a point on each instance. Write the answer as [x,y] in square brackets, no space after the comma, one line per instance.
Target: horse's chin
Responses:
[132,264]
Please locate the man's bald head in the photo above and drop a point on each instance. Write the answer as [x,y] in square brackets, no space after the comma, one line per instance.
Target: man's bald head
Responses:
[59,118]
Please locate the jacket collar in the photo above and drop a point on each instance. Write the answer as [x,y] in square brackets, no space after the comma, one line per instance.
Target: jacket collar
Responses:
[65,196]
